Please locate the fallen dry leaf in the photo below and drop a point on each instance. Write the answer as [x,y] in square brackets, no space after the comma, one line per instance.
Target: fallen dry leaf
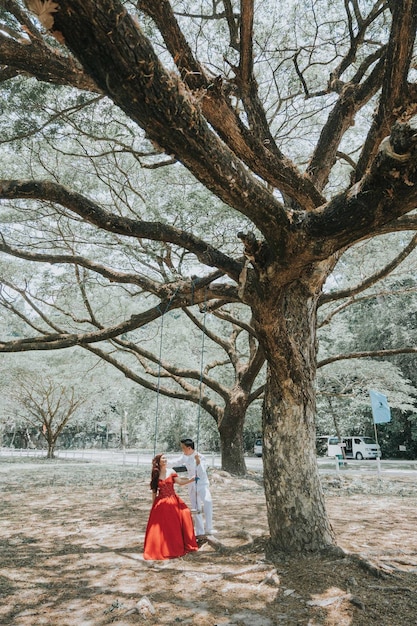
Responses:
[44,10]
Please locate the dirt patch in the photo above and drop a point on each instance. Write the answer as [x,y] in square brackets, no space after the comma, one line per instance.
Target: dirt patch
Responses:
[71,538]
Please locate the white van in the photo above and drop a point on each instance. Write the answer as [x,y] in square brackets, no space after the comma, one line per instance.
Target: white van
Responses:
[361,448]
[354,447]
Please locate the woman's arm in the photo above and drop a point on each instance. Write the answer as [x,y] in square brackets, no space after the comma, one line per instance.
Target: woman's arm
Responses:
[183,481]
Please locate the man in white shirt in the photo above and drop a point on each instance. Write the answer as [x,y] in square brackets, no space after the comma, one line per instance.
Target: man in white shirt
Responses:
[199,490]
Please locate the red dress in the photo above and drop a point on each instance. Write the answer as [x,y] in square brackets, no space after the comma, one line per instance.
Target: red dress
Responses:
[170,530]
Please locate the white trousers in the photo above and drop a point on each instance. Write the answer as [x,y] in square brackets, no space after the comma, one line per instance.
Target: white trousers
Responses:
[201,501]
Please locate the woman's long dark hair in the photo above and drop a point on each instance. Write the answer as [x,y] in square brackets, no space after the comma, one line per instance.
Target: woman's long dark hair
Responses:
[156,469]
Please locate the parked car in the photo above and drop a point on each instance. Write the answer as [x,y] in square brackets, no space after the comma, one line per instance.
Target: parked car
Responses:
[257,448]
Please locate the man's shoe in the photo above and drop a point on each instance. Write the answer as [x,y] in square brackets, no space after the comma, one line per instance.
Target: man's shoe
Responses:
[201,540]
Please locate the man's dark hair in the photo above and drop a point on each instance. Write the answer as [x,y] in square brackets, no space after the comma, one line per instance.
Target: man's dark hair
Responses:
[188,442]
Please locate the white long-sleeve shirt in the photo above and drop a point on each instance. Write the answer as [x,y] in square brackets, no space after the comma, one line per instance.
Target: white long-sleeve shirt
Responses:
[193,469]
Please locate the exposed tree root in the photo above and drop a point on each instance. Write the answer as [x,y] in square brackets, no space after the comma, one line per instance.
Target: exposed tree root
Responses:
[366,565]
[224,549]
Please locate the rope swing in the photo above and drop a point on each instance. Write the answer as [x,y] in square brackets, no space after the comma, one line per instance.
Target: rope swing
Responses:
[203,333]
[200,394]
[161,338]
[161,330]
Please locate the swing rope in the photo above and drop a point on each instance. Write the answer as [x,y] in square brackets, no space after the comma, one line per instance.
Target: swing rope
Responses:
[159,383]
[200,396]
[201,372]
[161,330]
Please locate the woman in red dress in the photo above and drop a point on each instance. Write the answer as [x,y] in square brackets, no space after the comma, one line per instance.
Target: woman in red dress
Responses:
[170,530]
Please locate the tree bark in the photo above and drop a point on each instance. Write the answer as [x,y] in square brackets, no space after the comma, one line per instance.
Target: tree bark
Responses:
[231,433]
[286,325]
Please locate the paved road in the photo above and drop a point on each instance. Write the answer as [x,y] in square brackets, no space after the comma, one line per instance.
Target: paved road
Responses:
[144,457]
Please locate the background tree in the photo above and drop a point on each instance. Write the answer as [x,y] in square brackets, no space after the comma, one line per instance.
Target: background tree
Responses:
[47,407]
[242,118]
[224,385]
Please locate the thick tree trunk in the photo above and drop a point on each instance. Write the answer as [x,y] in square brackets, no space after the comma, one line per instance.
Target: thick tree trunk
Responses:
[295,504]
[231,434]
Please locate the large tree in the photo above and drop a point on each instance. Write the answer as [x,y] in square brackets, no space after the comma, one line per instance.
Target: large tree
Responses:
[246,128]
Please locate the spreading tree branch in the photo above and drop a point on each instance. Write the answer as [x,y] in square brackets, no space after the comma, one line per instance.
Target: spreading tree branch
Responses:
[371,280]
[367,354]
